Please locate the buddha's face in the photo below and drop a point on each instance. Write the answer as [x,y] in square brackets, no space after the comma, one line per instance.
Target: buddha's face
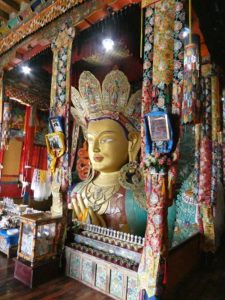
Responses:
[107,145]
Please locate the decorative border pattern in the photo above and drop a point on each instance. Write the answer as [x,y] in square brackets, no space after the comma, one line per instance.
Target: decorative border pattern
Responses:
[44,17]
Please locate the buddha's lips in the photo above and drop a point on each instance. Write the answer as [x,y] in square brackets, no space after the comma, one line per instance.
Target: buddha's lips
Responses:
[98,158]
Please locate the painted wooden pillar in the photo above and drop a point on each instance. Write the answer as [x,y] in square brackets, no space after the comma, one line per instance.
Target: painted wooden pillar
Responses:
[223,136]
[162,63]
[205,177]
[59,106]
[217,199]
[216,127]
[1,94]
[190,104]
[1,112]
[5,115]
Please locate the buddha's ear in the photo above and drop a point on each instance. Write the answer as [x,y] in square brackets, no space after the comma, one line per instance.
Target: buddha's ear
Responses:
[134,145]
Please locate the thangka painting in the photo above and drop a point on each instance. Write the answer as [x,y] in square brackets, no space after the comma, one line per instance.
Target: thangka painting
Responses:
[41,127]
[18,119]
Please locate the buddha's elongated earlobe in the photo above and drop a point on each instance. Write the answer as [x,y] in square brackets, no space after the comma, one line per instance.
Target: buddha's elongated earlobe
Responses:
[134,145]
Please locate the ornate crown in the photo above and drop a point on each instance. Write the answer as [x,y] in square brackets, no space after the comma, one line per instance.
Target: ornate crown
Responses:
[112,101]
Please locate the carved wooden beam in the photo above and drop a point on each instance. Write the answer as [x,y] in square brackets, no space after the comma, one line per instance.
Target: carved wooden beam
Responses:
[12,4]
[4,15]
[7,8]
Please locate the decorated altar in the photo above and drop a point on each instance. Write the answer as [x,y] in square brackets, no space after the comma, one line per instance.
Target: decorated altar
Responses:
[133,148]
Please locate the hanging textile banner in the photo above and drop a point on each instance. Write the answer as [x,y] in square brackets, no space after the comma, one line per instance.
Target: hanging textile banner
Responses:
[177,90]
[1,95]
[60,106]
[215,130]
[177,94]
[207,118]
[1,111]
[215,108]
[223,136]
[74,144]
[147,72]
[157,88]
[206,224]
[6,120]
[147,275]
[190,105]
[61,47]
[151,268]
[220,157]
[197,157]
[163,42]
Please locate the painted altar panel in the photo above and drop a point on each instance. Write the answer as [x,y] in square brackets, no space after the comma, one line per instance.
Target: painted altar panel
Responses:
[116,284]
[132,289]
[109,278]
[75,266]
[101,277]
[87,275]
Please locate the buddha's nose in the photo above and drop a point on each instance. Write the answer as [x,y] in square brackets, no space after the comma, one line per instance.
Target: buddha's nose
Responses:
[96,146]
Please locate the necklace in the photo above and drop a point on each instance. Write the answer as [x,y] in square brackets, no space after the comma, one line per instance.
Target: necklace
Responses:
[98,197]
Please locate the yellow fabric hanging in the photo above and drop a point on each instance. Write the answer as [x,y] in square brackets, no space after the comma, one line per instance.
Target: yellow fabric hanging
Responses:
[55,147]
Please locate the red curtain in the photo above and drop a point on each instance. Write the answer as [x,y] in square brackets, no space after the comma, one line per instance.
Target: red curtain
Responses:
[39,157]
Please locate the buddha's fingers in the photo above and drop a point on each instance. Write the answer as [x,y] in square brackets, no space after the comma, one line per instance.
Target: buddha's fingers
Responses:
[76,207]
[81,203]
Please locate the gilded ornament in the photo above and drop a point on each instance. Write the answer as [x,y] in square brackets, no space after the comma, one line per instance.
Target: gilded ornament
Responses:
[111,122]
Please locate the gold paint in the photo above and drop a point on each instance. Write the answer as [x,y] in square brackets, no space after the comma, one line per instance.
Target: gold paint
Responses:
[197,136]
[105,139]
[110,120]
[109,150]
[145,3]
[163,42]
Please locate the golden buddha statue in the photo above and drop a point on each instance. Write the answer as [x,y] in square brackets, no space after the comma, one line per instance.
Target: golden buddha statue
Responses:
[113,195]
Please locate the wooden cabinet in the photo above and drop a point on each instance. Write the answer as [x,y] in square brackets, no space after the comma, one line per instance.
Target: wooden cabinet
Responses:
[38,238]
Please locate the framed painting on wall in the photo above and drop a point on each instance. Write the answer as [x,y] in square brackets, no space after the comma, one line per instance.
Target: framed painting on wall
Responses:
[159,128]
[56,124]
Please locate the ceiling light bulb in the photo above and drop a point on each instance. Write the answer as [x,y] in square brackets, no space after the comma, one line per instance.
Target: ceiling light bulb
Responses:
[108,44]
[26,69]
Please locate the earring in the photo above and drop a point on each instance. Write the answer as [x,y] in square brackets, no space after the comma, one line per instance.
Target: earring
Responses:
[131,178]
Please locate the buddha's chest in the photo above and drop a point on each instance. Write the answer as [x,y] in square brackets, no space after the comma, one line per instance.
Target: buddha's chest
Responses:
[108,203]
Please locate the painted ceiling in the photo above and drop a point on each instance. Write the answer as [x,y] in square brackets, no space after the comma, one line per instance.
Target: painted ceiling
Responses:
[208,21]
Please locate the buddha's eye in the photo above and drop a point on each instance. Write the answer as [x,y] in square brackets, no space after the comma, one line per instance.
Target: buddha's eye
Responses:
[106,140]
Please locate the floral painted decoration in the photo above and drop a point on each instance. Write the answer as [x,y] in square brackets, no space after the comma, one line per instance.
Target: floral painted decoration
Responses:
[158,162]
